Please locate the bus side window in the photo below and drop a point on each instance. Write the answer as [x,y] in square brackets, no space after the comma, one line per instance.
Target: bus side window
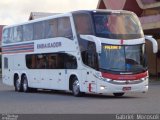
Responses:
[17,35]
[60,60]
[6,33]
[5,63]
[8,36]
[39,30]
[64,28]
[11,35]
[51,28]
[83,24]
[41,61]
[52,61]
[27,32]
[31,61]
[70,62]
[90,56]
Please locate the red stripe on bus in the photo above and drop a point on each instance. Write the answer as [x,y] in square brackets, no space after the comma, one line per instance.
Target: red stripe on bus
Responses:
[15,47]
[125,77]
[21,51]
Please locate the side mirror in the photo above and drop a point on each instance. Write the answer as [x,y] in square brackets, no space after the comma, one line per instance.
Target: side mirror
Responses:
[154,43]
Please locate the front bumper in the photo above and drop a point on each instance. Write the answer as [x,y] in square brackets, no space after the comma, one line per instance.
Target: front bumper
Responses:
[115,86]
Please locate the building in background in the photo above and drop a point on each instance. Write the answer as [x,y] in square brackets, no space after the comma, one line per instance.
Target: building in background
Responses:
[36,15]
[148,12]
[1,28]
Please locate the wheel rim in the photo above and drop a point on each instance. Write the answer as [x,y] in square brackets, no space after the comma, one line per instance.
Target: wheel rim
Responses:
[25,85]
[17,85]
[76,87]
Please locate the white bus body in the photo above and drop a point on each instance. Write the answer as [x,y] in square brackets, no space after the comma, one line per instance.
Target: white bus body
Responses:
[72,52]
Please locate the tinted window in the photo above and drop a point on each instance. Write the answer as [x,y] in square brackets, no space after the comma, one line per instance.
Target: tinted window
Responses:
[117,26]
[31,61]
[51,28]
[41,61]
[70,62]
[130,58]
[39,30]
[6,34]
[5,63]
[90,56]
[27,32]
[64,28]
[17,35]
[11,35]
[51,61]
[83,24]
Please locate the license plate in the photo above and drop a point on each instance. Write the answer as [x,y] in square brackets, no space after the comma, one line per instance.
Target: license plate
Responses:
[126,88]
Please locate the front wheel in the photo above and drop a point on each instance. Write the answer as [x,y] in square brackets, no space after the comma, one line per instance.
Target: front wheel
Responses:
[76,88]
[118,94]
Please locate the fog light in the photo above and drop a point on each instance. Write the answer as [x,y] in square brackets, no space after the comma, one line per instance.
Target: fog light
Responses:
[146,86]
[143,79]
[102,87]
[108,80]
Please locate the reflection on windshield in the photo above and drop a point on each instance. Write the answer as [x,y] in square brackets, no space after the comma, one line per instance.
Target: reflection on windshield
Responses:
[123,58]
[117,26]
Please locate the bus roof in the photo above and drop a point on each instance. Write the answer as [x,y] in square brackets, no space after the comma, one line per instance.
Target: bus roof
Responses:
[68,14]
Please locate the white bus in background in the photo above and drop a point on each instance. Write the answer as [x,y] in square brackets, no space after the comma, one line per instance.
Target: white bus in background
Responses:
[100,51]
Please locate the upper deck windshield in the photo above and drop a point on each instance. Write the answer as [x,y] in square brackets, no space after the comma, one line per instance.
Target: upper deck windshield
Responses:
[117,25]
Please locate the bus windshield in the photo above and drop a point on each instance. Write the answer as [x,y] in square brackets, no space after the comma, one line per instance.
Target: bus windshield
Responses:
[117,26]
[123,58]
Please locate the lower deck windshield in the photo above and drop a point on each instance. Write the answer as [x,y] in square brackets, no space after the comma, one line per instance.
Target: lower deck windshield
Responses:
[123,59]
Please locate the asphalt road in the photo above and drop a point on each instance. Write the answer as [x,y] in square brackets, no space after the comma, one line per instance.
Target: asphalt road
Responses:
[46,102]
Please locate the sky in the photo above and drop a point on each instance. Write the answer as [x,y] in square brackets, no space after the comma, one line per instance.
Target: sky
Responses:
[16,11]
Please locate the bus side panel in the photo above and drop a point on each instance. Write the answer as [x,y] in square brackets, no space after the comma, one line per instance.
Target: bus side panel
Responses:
[7,69]
[19,63]
[56,79]
[36,78]
[83,81]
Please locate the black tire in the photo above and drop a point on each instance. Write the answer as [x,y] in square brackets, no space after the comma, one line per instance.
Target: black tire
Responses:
[18,85]
[118,94]
[25,87]
[76,88]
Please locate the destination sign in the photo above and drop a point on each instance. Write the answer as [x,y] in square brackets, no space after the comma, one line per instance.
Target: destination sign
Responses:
[112,47]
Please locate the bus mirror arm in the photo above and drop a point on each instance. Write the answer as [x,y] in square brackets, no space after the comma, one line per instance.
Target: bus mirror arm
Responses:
[98,45]
[95,40]
[154,43]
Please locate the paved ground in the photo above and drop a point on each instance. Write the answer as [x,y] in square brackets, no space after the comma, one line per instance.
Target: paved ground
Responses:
[64,103]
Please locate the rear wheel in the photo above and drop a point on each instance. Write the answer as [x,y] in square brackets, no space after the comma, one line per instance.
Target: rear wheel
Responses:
[18,85]
[118,94]
[76,87]
[25,84]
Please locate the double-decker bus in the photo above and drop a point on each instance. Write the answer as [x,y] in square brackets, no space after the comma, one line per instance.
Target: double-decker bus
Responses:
[99,51]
